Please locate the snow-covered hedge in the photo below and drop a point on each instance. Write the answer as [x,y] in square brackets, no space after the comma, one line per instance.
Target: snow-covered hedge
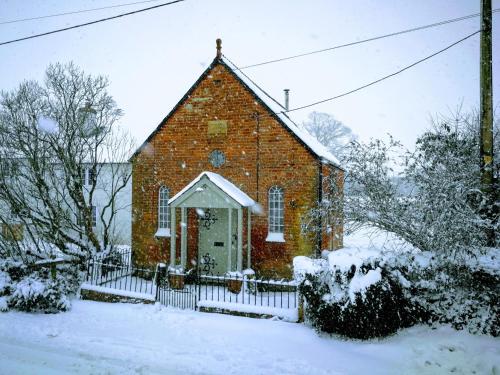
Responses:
[460,292]
[360,300]
[364,293]
[26,289]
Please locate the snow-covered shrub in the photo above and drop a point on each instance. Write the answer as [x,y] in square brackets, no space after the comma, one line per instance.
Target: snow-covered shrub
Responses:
[15,270]
[5,288]
[365,294]
[71,277]
[4,305]
[35,293]
[460,292]
[10,273]
[361,301]
[26,289]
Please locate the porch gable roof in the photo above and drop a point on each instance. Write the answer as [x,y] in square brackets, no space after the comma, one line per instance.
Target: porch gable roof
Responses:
[225,186]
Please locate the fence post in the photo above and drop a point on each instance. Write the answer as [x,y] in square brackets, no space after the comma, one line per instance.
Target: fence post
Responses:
[300,306]
[88,269]
[161,273]
[199,286]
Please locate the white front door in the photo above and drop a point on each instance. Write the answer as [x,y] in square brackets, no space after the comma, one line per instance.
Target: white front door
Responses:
[213,244]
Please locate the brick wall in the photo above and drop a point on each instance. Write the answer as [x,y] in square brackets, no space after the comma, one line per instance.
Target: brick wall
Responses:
[179,151]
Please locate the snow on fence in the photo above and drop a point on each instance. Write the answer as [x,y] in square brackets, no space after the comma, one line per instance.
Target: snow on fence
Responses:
[249,296]
[250,291]
[230,292]
[117,273]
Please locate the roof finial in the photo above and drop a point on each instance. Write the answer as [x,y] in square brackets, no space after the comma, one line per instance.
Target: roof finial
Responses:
[218,42]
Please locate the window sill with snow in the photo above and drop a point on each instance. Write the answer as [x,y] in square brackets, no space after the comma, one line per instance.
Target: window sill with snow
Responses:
[163,232]
[275,237]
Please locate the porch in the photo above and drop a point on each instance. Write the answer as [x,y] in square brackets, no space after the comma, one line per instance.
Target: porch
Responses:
[220,207]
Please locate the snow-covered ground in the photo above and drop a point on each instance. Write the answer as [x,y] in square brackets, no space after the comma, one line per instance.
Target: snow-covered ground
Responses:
[101,338]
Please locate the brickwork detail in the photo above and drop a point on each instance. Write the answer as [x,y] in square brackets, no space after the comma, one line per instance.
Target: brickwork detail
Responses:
[221,114]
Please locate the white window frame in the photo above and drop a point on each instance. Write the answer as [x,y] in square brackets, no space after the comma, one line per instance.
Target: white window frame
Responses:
[276,214]
[83,176]
[90,176]
[93,215]
[163,212]
[87,176]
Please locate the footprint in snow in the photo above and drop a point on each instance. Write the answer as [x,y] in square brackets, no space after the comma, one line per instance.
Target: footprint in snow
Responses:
[53,334]
[220,357]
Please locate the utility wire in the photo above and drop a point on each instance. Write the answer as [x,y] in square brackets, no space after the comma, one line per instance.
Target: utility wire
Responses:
[367,40]
[385,77]
[361,87]
[90,23]
[256,85]
[76,12]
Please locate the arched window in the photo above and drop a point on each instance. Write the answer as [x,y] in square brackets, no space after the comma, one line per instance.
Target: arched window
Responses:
[276,215]
[163,212]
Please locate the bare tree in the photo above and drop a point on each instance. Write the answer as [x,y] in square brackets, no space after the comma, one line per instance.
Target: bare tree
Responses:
[51,136]
[327,215]
[330,132]
[430,197]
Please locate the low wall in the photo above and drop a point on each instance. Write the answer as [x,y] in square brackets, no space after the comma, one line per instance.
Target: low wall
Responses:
[106,296]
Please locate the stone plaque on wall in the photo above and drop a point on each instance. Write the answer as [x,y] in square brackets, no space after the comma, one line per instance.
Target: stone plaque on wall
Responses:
[217,128]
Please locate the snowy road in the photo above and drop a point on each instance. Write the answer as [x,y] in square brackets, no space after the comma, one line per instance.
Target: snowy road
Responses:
[100,338]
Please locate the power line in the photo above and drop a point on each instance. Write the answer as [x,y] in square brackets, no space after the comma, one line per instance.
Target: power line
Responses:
[361,87]
[367,40]
[256,85]
[76,12]
[90,23]
[385,77]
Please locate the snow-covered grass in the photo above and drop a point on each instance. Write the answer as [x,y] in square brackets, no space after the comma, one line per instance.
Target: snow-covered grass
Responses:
[101,338]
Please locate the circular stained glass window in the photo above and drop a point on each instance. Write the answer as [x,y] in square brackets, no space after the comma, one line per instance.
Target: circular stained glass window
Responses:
[217,158]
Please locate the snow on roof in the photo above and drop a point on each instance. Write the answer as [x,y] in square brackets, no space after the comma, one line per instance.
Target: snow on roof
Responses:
[320,150]
[226,186]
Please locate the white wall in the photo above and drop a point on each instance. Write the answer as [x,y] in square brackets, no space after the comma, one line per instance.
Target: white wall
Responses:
[121,226]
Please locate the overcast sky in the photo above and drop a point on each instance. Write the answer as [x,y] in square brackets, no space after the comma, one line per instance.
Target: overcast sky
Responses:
[154,57]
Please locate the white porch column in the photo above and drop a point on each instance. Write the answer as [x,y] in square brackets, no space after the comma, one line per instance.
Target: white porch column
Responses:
[240,240]
[229,238]
[183,237]
[173,226]
[249,238]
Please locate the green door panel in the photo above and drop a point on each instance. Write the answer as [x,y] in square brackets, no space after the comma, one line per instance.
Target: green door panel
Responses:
[213,238]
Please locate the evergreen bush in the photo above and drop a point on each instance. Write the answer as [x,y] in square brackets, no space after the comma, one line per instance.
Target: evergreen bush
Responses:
[422,288]
[335,305]
[25,289]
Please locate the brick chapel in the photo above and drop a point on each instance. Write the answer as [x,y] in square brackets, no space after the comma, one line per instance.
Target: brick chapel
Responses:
[229,176]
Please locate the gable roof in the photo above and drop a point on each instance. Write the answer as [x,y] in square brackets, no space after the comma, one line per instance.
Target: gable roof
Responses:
[275,110]
[278,110]
[223,184]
